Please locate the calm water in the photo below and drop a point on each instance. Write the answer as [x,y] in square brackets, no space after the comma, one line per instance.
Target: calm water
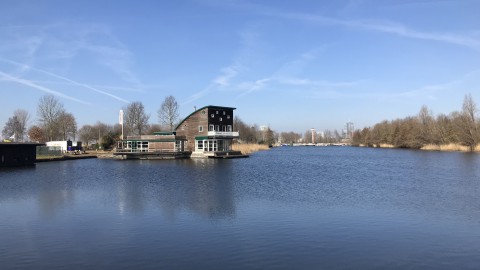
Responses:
[287,208]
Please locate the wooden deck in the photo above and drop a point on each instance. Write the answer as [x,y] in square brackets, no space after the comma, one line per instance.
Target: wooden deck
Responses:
[228,155]
[154,155]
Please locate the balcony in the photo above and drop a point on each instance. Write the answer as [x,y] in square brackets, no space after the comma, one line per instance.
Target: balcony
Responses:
[229,134]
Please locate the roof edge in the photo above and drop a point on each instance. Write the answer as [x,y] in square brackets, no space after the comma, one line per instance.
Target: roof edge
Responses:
[202,108]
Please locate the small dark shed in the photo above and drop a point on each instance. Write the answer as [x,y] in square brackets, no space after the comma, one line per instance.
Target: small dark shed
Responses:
[17,154]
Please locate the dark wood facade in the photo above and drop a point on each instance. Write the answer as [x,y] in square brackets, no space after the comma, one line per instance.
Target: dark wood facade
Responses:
[209,122]
[18,154]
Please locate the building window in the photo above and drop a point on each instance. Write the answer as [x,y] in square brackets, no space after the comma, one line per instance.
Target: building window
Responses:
[212,115]
[200,128]
[220,146]
[203,112]
[210,128]
[200,145]
[217,128]
[217,112]
[220,119]
[224,112]
[224,128]
[228,116]
[229,128]
[179,146]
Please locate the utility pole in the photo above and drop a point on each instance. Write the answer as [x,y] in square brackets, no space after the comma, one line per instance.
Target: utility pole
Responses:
[120,120]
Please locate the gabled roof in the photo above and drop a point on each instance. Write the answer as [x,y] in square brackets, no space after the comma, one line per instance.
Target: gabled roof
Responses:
[205,107]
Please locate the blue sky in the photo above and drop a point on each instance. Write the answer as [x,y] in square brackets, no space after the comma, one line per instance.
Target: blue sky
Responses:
[292,65]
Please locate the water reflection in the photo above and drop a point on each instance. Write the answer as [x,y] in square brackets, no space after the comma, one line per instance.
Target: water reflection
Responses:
[200,186]
[55,190]
[285,208]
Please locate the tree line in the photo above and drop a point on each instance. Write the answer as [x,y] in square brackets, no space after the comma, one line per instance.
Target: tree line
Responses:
[55,123]
[459,127]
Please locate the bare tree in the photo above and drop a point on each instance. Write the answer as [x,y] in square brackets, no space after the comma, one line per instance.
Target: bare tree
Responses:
[466,123]
[49,111]
[67,125]
[16,125]
[22,116]
[427,126]
[168,112]
[11,128]
[445,130]
[87,134]
[101,129]
[136,119]
[248,134]
[290,137]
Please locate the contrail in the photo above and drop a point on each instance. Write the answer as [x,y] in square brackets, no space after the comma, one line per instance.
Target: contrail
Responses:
[39,87]
[66,79]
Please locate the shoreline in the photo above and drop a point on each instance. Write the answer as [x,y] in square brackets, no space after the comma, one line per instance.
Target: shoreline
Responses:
[453,147]
[65,157]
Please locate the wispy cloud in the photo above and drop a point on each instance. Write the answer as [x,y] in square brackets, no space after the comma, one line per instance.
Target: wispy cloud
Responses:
[67,44]
[227,75]
[222,81]
[249,44]
[8,77]
[27,67]
[319,83]
[430,91]
[401,30]
[383,26]
[284,77]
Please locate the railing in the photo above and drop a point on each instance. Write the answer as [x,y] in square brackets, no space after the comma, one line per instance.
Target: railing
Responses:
[223,133]
[129,150]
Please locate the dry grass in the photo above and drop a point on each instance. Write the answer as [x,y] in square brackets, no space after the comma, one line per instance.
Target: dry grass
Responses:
[385,145]
[48,157]
[449,147]
[248,148]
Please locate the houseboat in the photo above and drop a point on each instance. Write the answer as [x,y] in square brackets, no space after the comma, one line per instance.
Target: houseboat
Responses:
[205,133]
[160,145]
[18,154]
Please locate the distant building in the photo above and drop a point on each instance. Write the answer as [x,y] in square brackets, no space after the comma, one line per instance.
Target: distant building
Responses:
[65,146]
[348,131]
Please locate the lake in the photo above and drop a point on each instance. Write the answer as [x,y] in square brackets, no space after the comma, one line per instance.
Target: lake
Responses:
[286,208]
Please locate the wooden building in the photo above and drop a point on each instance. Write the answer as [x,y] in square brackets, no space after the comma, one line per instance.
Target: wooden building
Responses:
[209,132]
[160,145]
[17,154]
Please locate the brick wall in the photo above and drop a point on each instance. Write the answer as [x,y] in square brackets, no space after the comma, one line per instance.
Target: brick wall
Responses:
[189,128]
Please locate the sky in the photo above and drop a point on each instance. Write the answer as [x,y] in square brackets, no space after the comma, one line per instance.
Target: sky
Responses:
[292,65]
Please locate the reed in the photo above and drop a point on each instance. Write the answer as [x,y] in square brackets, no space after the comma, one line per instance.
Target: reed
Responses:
[449,147]
[386,145]
[248,148]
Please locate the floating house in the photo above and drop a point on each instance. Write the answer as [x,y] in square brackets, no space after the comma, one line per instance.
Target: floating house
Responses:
[207,132]
[17,154]
[160,145]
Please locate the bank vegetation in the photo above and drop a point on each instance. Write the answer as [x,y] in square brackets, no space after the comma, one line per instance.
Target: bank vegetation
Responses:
[457,131]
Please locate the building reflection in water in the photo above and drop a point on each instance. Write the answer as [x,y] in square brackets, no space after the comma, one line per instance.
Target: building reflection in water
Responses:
[199,186]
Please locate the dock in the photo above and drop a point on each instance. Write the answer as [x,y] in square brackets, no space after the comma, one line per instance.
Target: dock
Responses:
[153,155]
